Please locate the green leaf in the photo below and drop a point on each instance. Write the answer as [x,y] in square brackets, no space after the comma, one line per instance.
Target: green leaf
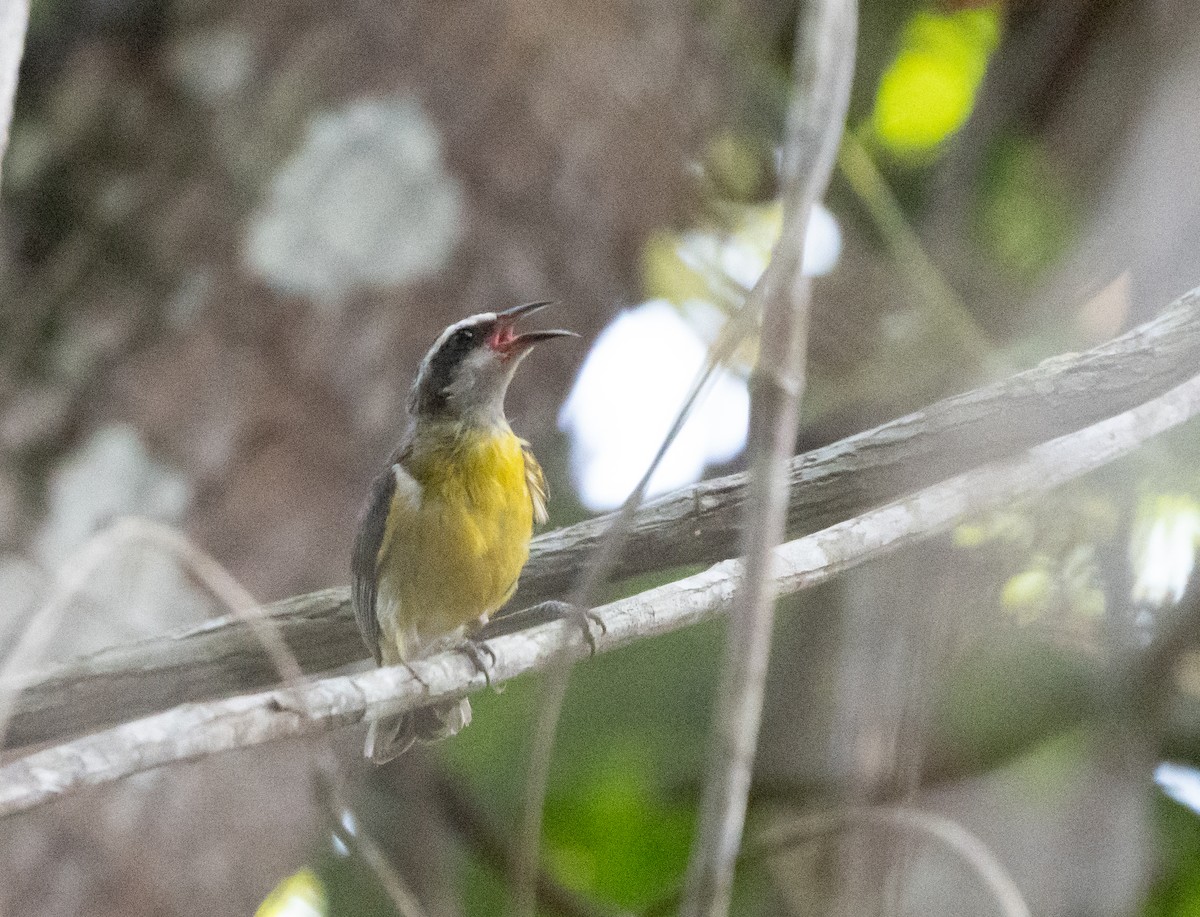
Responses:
[929,91]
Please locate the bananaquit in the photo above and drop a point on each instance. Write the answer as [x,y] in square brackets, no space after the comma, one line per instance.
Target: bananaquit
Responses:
[446,529]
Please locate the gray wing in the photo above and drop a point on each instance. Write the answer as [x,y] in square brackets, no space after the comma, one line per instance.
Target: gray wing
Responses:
[372,526]
[535,480]
[364,562]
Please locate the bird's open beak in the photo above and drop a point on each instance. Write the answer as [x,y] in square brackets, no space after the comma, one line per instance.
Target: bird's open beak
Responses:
[510,344]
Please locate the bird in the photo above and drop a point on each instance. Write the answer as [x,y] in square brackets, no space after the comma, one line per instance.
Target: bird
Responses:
[445,530]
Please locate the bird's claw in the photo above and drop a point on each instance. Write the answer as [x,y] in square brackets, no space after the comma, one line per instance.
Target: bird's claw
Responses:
[545,612]
[588,620]
[476,650]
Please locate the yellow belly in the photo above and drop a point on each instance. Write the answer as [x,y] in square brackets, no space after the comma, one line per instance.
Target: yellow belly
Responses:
[457,555]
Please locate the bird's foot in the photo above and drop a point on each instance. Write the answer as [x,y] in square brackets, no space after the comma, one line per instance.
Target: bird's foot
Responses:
[555,610]
[476,651]
[513,622]
[588,620]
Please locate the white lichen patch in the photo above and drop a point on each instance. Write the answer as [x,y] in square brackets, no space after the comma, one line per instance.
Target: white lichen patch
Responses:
[134,588]
[111,475]
[212,66]
[366,202]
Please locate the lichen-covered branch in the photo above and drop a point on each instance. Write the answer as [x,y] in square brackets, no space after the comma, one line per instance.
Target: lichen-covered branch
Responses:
[697,524]
[193,731]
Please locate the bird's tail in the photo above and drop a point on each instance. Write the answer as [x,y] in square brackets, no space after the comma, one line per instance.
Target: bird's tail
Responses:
[391,736]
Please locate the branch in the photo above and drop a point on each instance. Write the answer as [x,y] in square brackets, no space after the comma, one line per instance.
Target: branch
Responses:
[553,688]
[14,21]
[824,63]
[73,575]
[193,731]
[698,524]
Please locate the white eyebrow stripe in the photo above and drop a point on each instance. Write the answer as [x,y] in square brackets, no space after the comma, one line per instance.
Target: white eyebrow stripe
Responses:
[470,320]
[423,371]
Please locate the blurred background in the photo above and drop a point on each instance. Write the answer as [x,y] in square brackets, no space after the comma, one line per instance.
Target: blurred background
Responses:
[230,231]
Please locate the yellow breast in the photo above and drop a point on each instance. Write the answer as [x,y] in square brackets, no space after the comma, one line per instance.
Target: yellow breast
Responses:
[455,554]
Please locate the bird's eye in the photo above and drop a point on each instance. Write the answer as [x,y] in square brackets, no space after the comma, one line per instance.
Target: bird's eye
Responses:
[464,336]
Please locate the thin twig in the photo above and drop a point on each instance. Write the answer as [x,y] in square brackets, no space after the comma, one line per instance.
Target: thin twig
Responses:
[946,310]
[74,574]
[223,586]
[485,841]
[599,570]
[949,833]
[824,64]
[553,689]
[403,899]
[195,731]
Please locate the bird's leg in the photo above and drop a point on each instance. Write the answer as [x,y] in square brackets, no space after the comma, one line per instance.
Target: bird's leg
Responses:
[587,619]
[543,613]
[474,647]
[409,642]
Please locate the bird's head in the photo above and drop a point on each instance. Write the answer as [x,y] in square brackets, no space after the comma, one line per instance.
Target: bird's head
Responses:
[467,370]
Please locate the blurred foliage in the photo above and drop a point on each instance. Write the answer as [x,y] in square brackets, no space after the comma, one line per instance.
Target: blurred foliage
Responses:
[1045,554]
[941,322]
[1163,547]
[617,837]
[634,731]
[1003,698]
[921,98]
[1176,890]
[340,884]
[659,744]
[737,168]
[352,889]
[1025,216]
[301,894]
[928,92]
[712,264]
[706,271]
[881,23]
[1051,559]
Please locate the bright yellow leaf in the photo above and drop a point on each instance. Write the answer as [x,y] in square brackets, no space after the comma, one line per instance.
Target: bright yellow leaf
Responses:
[928,92]
[299,895]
